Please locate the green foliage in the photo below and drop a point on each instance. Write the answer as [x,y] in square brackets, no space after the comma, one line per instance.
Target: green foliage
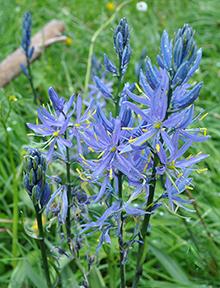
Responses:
[184,251]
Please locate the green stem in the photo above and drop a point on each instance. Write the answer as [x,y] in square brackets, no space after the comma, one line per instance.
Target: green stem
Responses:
[120,196]
[117,98]
[121,236]
[143,245]
[30,79]
[111,268]
[68,183]
[94,37]
[42,245]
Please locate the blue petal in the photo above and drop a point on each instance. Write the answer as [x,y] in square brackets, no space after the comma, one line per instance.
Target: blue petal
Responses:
[110,67]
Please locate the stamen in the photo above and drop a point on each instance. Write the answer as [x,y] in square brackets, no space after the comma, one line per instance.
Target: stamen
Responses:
[203,116]
[100,155]
[111,174]
[157,125]
[56,133]
[202,170]
[91,149]
[138,88]
[158,148]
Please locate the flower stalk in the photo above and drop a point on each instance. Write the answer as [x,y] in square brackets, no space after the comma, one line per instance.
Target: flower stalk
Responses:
[141,255]
[30,79]
[121,236]
[68,184]
[41,241]
[120,196]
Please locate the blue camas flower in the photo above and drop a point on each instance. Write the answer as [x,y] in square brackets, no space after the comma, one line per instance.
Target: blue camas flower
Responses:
[147,138]
[54,125]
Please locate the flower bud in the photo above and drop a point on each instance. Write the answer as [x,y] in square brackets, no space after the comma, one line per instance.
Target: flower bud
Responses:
[39,173]
[35,177]
[34,195]
[35,162]
[32,178]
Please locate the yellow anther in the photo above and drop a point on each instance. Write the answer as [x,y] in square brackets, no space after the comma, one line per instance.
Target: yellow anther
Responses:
[100,155]
[145,167]
[93,113]
[127,128]
[80,174]
[138,88]
[179,175]
[188,187]
[171,165]
[203,116]
[56,133]
[35,226]
[131,140]
[77,125]
[91,149]
[145,130]
[157,125]
[110,6]
[199,171]
[139,116]
[81,156]
[189,157]
[204,130]
[158,148]
[84,161]
[96,137]
[113,149]
[111,174]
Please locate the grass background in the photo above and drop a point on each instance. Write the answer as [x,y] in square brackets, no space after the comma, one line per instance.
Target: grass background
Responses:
[183,252]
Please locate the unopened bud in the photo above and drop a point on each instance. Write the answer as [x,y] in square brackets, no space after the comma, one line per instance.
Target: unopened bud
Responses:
[39,172]
[35,162]
[32,178]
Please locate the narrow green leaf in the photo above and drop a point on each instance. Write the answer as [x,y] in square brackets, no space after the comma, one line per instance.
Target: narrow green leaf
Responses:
[95,279]
[170,265]
[68,279]
[18,275]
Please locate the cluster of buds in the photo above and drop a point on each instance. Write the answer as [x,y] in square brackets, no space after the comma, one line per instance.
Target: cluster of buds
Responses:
[122,49]
[122,44]
[26,35]
[35,177]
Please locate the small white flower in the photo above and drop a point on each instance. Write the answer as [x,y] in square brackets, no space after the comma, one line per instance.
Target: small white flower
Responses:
[141,6]
[17,9]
